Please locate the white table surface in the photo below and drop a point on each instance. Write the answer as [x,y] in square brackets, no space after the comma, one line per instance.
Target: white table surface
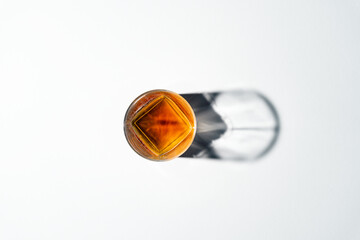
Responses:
[69,70]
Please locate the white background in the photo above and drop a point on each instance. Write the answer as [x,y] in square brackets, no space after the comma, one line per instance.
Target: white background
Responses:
[69,70]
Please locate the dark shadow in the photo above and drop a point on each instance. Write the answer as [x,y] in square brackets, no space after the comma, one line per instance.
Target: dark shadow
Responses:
[233,125]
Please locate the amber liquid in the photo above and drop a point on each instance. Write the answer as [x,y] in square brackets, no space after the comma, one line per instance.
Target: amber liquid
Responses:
[160,125]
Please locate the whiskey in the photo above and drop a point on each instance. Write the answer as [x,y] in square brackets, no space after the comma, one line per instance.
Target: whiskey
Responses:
[160,125]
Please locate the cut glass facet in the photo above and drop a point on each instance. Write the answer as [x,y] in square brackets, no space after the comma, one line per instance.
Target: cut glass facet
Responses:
[163,125]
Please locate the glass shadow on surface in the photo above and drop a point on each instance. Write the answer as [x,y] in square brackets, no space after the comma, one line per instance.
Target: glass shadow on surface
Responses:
[233,125]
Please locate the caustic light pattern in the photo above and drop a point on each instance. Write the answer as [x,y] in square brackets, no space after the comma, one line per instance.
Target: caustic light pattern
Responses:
[160,125]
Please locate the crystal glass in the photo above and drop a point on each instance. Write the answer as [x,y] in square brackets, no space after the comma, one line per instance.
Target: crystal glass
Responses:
[160,125]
